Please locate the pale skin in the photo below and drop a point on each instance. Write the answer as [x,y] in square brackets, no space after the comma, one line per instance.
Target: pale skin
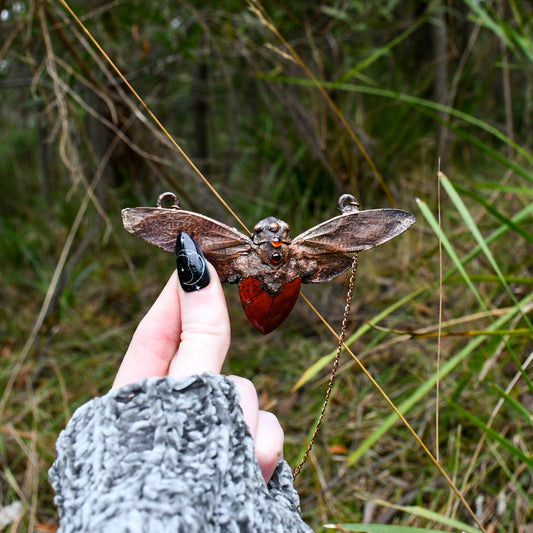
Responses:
[188,333]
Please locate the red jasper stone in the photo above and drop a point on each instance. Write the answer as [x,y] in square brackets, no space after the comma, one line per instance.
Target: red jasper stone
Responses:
[267,312]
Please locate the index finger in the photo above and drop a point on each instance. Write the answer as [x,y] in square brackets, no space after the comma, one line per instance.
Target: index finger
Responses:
[155,340]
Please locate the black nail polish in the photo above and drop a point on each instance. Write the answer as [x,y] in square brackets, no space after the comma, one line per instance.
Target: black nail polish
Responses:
[192,266]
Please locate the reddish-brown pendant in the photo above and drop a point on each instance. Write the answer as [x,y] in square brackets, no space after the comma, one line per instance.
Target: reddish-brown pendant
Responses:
[267,312]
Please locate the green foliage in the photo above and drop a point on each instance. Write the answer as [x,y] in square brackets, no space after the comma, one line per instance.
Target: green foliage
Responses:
[76,148]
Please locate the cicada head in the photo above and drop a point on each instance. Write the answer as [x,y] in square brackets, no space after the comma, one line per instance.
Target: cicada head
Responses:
[272,238]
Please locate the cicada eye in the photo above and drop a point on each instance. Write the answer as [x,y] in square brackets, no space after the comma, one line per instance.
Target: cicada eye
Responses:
[273,226]
[276,257]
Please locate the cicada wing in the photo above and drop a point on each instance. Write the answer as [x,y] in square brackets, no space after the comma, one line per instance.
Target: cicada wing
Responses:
[315,268]
[221,244]
[321,249]
[355,231]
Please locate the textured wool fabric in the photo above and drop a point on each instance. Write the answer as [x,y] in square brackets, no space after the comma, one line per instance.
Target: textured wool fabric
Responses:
[167,455]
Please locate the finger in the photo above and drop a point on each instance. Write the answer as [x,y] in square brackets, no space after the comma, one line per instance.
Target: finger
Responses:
[248,402]
[264,428]
[205,327]
[155,340]
[268,443]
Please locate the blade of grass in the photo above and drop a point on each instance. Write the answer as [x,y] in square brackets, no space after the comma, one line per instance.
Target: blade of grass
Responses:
[436,517]
[528,191]
[502,30]
[494,435]
[465,214]
[381,528]
[414,510]
[433,223]
[497,214]
[514,404]
[493,237]
[382,51]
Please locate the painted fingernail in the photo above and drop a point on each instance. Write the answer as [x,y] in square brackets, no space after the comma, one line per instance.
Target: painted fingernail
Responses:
[192,266]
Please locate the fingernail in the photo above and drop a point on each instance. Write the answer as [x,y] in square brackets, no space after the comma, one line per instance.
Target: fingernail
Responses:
[192,266]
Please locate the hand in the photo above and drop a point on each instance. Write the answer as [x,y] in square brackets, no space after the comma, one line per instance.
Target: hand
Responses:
[188,333]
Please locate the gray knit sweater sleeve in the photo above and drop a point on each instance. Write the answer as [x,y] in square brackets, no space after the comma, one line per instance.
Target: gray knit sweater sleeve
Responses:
[168,455]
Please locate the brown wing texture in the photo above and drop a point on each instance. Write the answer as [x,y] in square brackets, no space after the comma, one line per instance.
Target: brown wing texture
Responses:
[221,244]
[319,267]
[354,232]
[320,251]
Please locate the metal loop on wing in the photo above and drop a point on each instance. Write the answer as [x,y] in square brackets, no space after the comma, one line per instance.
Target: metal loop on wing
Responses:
[347,203]
[166,198]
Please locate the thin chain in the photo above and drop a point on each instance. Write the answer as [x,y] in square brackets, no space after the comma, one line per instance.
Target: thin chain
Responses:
[334,368]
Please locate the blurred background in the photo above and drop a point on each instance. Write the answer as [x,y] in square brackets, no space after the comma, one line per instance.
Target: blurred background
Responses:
[412,87]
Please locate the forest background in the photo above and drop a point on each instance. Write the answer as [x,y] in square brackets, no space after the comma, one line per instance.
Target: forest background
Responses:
[283,110]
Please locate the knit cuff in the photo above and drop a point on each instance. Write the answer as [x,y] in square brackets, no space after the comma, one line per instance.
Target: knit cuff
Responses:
[167,454]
